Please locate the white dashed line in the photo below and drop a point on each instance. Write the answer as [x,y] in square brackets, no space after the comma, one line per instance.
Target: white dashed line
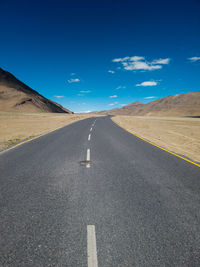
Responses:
[89,136]
[88,158]
[90,129]
[91,246]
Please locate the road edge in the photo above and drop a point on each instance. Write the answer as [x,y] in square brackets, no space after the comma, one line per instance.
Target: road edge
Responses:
[38,136]
[173,153]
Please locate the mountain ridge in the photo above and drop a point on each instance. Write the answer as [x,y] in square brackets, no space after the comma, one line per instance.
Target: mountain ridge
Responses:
[187,104]
[17,96]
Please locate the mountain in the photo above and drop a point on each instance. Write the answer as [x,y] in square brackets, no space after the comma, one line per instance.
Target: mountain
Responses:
[17,96]
[175,105]
[125,110]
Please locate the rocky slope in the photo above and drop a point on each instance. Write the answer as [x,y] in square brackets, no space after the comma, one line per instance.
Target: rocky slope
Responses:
[175,105]
[17,96]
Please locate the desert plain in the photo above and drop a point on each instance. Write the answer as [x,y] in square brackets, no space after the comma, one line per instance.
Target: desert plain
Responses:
[16,127]
[177,134]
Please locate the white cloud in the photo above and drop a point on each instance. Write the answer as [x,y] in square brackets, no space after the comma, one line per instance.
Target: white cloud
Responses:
[87,111]
[162,61]
[139,63]
[193,59]
[112,104]
[121,87]
[149,97]
[136,58]
[147,83]
[120,59]
[59,96]
[85,92]
[111,71]
[113,96]
[76,80]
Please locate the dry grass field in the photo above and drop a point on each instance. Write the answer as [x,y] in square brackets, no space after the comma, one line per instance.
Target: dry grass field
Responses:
[179,135]
[15,127]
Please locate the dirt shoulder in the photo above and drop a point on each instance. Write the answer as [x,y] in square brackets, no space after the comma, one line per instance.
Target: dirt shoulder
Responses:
[179,135]
[16,127]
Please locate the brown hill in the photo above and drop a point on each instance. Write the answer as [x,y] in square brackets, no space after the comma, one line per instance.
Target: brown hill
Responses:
[17,96]
[175,105]
[126,110]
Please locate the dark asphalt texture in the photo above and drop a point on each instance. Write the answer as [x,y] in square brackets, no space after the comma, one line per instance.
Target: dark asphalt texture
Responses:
[143,201]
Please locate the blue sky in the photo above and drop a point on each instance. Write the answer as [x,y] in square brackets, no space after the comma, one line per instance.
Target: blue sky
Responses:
[96,55]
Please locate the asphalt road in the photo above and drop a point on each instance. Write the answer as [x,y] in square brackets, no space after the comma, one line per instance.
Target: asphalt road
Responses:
[132,204]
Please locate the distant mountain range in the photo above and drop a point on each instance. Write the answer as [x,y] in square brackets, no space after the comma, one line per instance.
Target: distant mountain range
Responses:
[17,96]
[175,105]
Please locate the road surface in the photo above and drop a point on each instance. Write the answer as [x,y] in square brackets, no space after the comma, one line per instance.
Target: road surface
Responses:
[91,194]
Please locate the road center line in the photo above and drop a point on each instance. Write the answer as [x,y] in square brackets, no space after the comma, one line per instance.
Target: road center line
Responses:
[88,158]
[89,136]
[91,246]
[90,129]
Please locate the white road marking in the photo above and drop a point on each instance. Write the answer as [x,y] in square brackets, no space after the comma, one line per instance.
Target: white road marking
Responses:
[89,136]
[93,123]
[91,246]
[90,129]
[88,158]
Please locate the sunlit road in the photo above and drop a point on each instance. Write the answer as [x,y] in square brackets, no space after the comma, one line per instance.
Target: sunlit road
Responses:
[91,194]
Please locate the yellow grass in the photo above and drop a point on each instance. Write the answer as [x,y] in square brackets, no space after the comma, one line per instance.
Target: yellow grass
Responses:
[179,135]
[15,127]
